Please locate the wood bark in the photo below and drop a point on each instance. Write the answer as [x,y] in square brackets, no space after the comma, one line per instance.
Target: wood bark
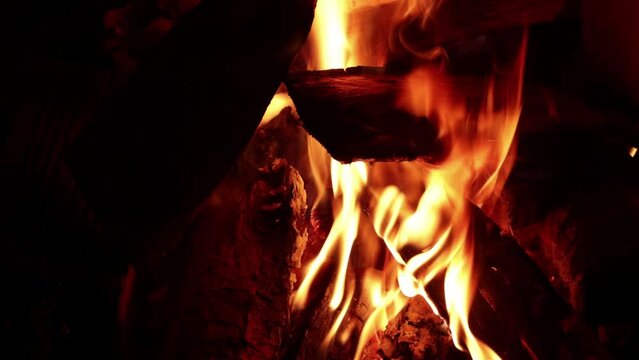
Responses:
[415,333]
[571,202]
[160,145]
[225,293]
[525,302]
[352,113]
[516,310]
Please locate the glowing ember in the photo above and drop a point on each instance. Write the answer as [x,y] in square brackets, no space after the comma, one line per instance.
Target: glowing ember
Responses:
[420,213]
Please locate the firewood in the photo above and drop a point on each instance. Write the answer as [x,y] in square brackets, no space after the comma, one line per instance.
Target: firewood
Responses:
[577,220]
[161,144]
[352,113]
[226,292]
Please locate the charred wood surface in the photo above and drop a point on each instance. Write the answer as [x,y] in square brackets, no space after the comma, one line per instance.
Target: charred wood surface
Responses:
[226,293]
[415,333]
[234,298]
[353,114]
[525,301]
[563,222]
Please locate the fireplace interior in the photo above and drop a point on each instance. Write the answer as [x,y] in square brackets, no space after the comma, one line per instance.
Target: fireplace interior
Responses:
[301,179]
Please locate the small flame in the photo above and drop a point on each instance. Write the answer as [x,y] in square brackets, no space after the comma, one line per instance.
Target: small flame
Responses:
[340,317]
[420,213]
[279,101]
[386,305]
[632,151]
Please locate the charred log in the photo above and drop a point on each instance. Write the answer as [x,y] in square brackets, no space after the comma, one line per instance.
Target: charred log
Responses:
[352,113]
[415,333]
[572,200]
[445,23]
[225,293]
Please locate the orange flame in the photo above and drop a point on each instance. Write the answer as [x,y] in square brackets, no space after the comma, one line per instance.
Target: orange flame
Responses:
[328,34]
[418,207]
[348,182]
[279,101]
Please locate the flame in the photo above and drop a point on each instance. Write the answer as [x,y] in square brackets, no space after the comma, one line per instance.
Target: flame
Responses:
[319,162]
[328,34]
[279,101]
[632,151]
[340,317]
[348,182]
[421,214]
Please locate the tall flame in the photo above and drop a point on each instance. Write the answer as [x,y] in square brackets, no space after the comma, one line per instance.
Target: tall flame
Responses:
[420,212]
[329,34]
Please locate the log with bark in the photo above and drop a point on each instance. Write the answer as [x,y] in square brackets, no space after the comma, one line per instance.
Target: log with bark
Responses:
[572,202]
[225,292]
[415,333]
[355,113]
[445,23]
[352,113]
[162,142]
[525,302]
[556,129]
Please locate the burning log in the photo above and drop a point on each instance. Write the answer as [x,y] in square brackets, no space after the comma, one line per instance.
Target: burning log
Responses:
[352,113]
[525,302]
[241,301]
[156,149]
[229,284]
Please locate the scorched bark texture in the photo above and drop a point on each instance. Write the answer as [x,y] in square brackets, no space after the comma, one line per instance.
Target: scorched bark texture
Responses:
[229,293]
[353,114]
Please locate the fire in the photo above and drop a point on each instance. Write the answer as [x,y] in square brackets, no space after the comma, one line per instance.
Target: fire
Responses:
[329,34]
[420,213]
[279,101]
[348,182]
